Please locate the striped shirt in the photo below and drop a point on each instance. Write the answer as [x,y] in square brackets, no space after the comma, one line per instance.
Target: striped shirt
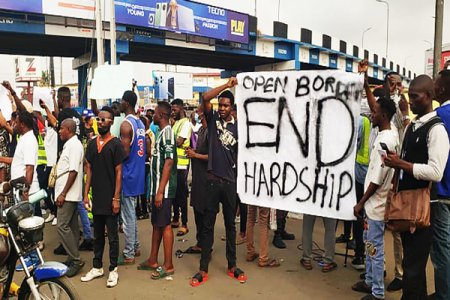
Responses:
[165,148]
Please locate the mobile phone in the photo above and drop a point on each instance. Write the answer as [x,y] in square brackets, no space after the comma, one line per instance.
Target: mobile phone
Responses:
[384,147]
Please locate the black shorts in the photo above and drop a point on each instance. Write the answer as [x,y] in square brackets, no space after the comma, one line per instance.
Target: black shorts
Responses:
[161,217]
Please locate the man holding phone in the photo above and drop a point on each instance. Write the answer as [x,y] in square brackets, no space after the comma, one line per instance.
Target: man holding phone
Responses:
[104,156]
[376,187]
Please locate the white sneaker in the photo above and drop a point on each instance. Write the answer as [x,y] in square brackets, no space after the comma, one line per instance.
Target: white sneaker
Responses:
[113,278]
[55,221]
[50,218]
[92,274]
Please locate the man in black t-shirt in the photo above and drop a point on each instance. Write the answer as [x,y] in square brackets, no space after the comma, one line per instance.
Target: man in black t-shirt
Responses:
[221,185]
[66,112]
[104,156]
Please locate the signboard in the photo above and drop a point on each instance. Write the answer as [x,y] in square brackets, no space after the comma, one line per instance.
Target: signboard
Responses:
[184,17]
[297,140]
[169,85]
[46,95]
[110,82]
[81,9]
[5,103]
[28,69]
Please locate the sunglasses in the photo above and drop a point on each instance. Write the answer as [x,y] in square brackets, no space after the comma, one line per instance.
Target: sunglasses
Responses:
[103,119]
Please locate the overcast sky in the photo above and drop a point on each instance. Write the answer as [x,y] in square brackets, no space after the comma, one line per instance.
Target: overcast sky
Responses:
[411,22]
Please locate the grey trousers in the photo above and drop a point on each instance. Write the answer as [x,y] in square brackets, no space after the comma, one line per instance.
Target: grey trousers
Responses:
[329,238]
[68,229]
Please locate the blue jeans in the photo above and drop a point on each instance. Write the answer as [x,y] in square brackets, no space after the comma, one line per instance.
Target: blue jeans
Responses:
[440,249]
[128,213]
[87,232]
[374,240]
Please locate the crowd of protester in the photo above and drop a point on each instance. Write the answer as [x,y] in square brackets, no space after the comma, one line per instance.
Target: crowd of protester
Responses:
[114,166]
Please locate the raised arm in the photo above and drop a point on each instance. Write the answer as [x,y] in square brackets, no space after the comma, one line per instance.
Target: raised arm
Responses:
[363,66]
[213,93]
[19,104]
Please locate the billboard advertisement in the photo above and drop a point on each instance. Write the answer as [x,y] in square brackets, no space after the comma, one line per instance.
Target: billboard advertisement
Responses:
[28,69]
[184,17]
[169,86]
[81,9]
[22,5]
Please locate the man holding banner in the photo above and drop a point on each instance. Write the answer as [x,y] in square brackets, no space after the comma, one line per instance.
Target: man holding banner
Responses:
[221,186]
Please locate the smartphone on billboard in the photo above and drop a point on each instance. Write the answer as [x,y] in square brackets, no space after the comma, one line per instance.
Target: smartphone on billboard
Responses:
[163,14]
[158,14]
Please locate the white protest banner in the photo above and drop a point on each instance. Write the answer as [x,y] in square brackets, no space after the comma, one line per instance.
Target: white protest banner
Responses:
[297,140]
[46,95]
[5,103]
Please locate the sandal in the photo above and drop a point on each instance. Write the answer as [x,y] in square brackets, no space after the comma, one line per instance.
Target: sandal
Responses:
[252,257]
[193,250]
[161,273]
[175,224]
[238,274]
[182,231]
[271,263]
[144,266]
[329,267]
[198,279]
[306,264]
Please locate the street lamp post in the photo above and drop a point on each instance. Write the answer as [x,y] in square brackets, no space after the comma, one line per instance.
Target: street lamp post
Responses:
[362,39]
[387,25]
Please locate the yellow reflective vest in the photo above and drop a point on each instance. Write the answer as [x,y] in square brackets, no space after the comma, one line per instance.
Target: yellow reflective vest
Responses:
[183,161]
[362,155]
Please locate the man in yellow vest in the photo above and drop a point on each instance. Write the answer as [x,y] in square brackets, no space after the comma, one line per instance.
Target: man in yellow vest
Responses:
[182,130]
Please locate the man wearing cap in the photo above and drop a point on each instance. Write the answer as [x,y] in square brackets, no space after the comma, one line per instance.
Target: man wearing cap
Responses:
[182,130]
[132,135]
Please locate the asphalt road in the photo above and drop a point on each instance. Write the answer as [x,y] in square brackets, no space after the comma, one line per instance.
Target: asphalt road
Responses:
[289,281]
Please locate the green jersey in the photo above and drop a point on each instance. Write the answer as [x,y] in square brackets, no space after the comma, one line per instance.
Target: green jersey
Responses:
[165,148]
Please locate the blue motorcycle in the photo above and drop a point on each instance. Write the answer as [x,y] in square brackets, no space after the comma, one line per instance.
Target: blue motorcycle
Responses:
[20,234]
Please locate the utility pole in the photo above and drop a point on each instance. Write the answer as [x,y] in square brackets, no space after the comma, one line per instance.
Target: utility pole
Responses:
[438,37]
[112,29]
[99,33]
[52,72]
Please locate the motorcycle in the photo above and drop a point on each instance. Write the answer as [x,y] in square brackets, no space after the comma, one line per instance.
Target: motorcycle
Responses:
[20,234]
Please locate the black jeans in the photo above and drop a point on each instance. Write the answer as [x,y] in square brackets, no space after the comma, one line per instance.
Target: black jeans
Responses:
[100,221]
[358,225]
[219,191]
[199,224]
[243,216]
[281,221]
[180,202]
[416,248]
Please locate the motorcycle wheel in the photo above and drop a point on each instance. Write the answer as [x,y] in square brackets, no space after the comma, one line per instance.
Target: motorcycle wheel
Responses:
[54,288]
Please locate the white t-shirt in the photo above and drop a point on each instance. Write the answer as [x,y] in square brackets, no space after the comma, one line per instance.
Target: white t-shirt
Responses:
[71,159]
[26,154]
[51,145]
[186,130]
[380,174]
